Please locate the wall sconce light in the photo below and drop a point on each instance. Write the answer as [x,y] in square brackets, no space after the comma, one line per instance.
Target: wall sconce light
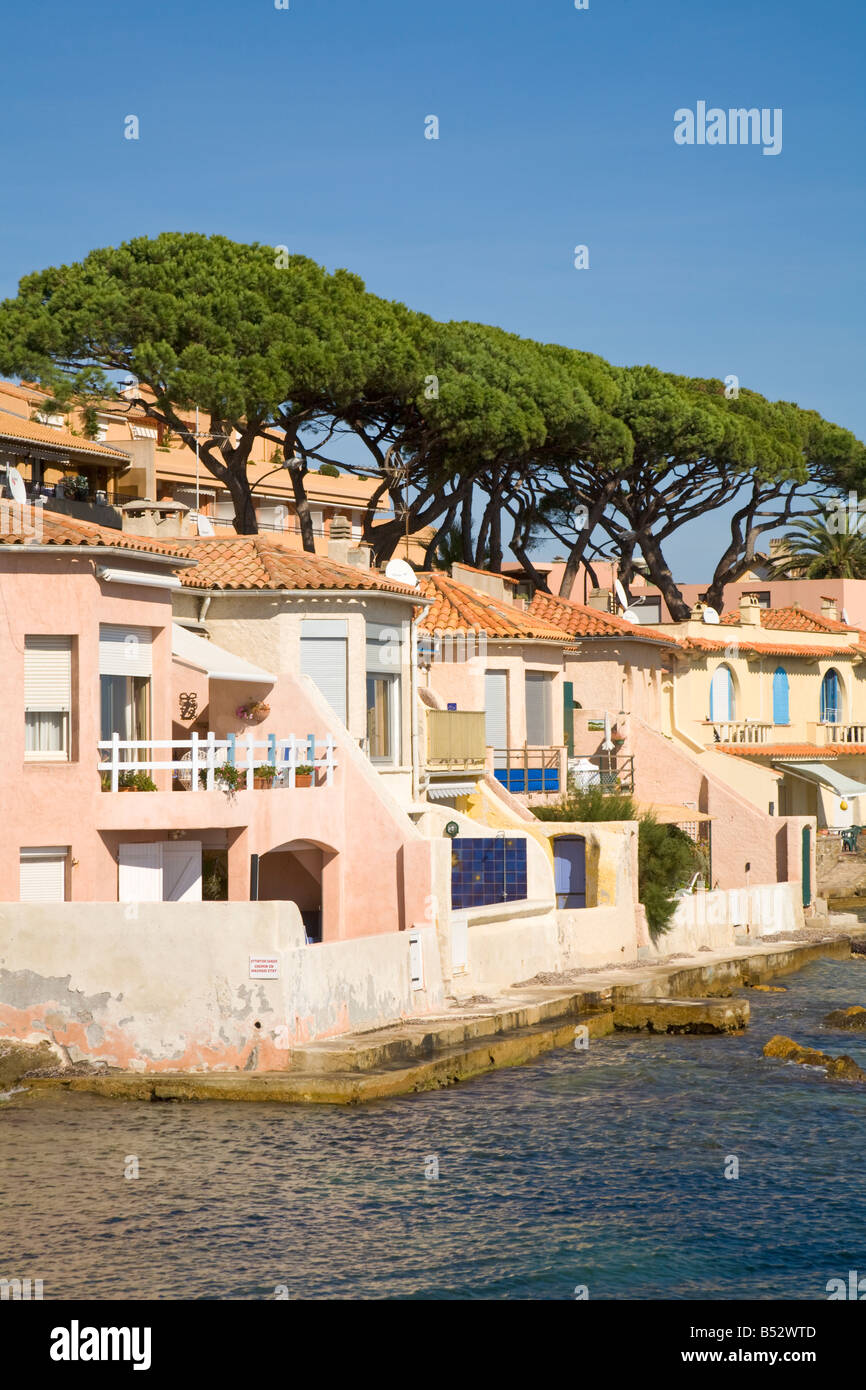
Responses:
[188,701]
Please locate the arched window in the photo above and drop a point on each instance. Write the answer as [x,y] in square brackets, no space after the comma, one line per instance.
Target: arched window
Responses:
[722,696]
[780,696]
[831,698]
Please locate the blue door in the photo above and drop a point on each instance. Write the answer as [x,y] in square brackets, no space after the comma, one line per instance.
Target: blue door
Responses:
[831,699]
[569,870]
[780,696]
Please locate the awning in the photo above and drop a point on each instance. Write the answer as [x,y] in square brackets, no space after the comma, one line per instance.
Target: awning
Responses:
[219,664]
[826,776]
[441,791]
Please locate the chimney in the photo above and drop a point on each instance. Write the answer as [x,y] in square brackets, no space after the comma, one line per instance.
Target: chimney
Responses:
[600,599]
[697,613]
[343,549]
[162,521]
[829,609]
[340,539]
[750,610]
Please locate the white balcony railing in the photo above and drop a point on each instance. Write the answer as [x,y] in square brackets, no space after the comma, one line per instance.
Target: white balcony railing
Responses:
[846,733]
[188,759]
[742,731]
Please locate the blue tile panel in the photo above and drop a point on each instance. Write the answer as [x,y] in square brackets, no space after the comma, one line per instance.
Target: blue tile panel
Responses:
[541,779]
[487,871]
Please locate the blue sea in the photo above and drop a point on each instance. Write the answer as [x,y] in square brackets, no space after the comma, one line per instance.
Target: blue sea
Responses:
[602,1170]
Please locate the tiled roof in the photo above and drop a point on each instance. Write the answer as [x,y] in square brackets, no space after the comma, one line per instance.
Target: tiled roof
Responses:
[26,390]
[696,645]
[579,620]
[792,619]
[266,562]
[31,432]
[39,526]
[475,570]
[459,608]
[788,750]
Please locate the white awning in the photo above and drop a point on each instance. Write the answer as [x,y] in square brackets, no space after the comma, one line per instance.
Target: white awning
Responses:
[219,664]
[442,791]
[827,776]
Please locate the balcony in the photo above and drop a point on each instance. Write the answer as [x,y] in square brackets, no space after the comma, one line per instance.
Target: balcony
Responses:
[612,772]
[749,731]
[212,764]
[845,733]
[530,771]
[456,739]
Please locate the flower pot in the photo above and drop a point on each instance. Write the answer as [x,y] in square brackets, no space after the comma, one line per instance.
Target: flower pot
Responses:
[303,779]
[263,783]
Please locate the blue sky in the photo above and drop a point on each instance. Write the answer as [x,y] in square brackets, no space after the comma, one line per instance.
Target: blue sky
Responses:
[305,127]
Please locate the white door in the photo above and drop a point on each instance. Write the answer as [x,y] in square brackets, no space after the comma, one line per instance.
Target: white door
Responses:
[181,871]
[721,696]
[160,871]
[139,877]
[496,709]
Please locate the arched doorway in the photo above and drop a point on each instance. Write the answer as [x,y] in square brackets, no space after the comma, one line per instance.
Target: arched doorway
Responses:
[304,872]
[722,705]
[831,698]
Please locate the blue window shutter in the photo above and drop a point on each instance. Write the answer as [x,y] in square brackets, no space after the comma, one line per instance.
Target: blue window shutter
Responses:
[780,695]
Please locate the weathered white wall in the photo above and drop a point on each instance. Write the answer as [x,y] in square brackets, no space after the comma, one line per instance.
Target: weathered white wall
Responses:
[720,919]
[165,986]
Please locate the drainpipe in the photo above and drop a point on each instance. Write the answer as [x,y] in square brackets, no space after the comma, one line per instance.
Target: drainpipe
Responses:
[204,606]
[413,697]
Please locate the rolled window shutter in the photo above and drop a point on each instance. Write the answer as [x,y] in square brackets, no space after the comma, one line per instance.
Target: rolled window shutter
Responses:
[42,875]
[323,659]
[125,651]
[47,674]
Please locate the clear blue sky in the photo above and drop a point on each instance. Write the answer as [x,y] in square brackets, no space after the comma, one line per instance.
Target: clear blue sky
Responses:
[305,127]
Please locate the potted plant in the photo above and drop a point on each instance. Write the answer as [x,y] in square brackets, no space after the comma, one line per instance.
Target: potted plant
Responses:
[263,775]
[132,781]
[81,487]
[253,712]
[226,777]
[304,775]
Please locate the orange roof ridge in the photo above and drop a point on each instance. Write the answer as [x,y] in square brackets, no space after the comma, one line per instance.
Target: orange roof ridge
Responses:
[792,618]
[54,528]
[580,620]
[460,608]
[268,562]
[30,431]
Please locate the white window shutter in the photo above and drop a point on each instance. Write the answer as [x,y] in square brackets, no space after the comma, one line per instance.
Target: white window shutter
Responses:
[324,660]
[47,674]
[495,709]
[125,651]
[537,690]
[42,875]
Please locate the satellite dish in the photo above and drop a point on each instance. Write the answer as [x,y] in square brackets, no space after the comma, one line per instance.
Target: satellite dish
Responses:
[621,594]
[631,615]
[203,526]
[710,616]
[15,483]
[401,573]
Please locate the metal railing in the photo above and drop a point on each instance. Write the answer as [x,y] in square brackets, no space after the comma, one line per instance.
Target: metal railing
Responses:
[612,772]
[741,731]
[194,762]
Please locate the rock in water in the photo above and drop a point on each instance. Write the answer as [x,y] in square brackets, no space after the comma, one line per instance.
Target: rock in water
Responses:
[854,1019]
[842,1068]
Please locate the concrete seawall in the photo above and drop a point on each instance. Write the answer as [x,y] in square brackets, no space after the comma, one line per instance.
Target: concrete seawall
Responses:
[522,1024]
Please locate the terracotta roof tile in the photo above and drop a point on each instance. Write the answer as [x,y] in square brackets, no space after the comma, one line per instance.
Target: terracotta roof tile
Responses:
[792,619]
[31,432]
[265,562]
[714,644]
[459,608]
[29,526]
[579,620]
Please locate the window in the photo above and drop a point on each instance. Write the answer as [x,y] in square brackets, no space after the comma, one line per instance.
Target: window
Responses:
[384,660]
[780,696]
[722,696]
[323,659]
[125,665]
[831,698]
[538,690]
[42,874]
[47,698]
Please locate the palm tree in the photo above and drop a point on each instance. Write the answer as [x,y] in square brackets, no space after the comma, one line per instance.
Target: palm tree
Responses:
[813,551]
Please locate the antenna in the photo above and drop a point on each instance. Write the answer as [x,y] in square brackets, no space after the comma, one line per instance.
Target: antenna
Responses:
[631,615]
[710,616]
[621,594]
[401,573]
